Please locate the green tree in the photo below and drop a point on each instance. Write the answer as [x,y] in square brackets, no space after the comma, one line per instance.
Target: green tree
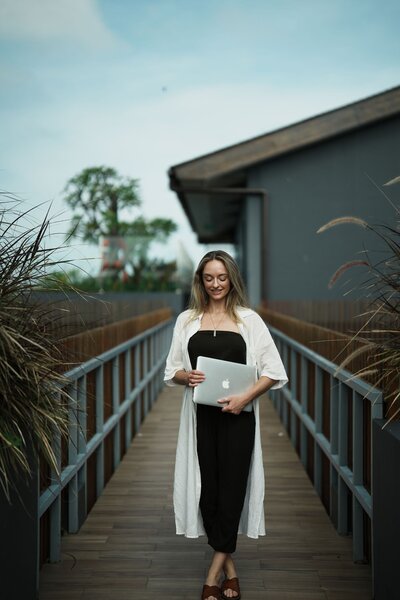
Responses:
[97,197]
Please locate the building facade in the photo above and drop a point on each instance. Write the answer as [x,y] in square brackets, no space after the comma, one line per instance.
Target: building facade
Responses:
[269,196]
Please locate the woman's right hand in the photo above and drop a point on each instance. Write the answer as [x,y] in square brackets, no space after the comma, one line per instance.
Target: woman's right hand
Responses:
[195,377]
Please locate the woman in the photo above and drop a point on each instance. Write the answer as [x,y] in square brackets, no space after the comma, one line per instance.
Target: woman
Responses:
[219,477]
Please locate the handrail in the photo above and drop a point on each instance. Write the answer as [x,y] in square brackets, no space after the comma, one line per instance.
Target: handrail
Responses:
[141,360]
[340,425]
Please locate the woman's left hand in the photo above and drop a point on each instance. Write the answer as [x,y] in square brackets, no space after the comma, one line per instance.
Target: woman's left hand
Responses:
[233,404]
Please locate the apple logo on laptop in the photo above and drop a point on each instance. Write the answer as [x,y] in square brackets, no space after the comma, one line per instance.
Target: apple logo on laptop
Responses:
[225,384]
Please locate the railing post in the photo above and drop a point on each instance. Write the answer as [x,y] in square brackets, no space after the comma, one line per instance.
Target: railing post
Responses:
[55,508]
[152,363]
[82,434]
[128,389]
[334,495]
[358,531]
[334,415]
[358,518]
[304,408]
[294,380]
[293,385]
[343,424]
[318,396]
[334,445]
[55,530]
[73,445]
[358,431]
[343,525]
[99,429]
[137,381]
[157,355]
[115,406]
[319,399]
[82,415]
[145,370]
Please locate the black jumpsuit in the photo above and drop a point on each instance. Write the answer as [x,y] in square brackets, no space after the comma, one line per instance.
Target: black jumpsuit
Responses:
[224,446]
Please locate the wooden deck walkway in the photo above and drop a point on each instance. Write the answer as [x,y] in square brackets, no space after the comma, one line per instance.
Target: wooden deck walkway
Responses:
[128,550]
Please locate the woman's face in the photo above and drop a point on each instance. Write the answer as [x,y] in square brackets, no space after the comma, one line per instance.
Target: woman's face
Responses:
[216,280]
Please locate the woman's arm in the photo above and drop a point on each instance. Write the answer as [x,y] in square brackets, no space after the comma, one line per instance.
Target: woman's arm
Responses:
[269,362]
[235,404]
[259,388]
[175,360]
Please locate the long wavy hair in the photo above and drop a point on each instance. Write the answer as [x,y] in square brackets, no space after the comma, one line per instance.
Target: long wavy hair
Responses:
[236,296]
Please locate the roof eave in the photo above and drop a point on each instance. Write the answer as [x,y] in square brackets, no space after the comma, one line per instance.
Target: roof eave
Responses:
[207,169]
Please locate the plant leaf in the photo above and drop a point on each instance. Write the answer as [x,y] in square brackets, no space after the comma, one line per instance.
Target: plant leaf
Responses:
[344,221]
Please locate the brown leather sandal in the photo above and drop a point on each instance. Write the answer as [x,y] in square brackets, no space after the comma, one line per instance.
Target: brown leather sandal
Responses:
[231,584]
[210,590]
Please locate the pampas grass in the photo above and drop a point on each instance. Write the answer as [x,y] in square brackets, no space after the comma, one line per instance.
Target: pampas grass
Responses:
[380,333]
[343,221]
[31,408]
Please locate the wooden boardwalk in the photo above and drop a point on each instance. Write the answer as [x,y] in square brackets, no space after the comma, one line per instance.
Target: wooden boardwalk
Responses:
[127,549]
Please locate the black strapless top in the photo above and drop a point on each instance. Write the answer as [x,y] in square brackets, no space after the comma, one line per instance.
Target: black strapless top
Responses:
[226,345]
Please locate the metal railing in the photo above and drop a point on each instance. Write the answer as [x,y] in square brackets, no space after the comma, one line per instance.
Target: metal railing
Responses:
[328,413]
[141,362]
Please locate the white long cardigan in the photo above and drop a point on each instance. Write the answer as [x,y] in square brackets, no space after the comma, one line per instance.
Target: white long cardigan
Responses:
[262,352]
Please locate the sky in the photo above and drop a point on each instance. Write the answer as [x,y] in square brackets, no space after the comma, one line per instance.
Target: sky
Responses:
[142,85]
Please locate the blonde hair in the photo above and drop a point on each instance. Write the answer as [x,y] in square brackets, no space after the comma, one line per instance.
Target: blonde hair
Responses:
[236,296]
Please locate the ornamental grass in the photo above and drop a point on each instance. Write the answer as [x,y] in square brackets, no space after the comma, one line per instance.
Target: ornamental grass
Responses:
[380,331]
[32,407]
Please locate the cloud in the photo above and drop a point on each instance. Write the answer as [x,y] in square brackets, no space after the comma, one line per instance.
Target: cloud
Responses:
[49,20]
[143,137]
[115,113]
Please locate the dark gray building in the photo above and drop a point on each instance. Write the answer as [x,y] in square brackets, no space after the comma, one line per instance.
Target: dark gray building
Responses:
[269,195]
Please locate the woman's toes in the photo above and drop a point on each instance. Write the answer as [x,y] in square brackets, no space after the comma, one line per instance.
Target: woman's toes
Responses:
[229,594]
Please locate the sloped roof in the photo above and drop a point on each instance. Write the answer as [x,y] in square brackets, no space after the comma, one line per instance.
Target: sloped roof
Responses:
[226,168]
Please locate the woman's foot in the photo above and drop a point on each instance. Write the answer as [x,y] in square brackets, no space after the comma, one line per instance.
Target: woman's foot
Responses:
[230,587]
[211,592]
[211,589]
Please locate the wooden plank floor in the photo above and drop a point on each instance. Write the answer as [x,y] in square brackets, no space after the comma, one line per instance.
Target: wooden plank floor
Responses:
[127,549]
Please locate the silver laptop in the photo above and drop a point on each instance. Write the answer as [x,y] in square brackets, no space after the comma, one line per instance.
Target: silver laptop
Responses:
[223,378]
